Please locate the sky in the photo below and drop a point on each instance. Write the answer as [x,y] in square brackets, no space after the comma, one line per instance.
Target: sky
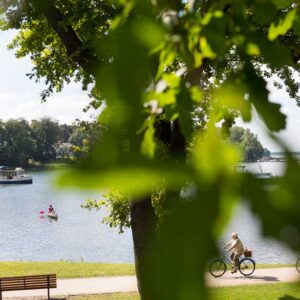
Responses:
[20,98]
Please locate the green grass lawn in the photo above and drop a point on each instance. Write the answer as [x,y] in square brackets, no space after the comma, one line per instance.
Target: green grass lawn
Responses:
[276,291]
[264,266]
[65,269]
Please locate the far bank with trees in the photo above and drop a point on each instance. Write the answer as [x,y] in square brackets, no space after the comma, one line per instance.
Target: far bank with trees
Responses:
[39,142]
[42,141]
[250,146]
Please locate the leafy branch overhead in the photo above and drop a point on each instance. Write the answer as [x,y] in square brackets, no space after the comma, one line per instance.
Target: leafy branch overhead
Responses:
[174,75]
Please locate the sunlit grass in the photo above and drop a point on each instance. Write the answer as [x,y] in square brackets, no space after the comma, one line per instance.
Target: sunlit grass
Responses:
[266,266]
[65,269]
[250,292]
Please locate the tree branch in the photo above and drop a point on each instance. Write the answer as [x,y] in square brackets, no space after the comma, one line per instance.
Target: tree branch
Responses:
[86,59]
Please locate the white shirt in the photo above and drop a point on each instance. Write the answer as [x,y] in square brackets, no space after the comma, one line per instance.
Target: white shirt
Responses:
[237,246]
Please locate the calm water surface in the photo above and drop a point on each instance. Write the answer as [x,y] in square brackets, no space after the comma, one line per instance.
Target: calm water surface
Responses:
[249,226]
[79,235]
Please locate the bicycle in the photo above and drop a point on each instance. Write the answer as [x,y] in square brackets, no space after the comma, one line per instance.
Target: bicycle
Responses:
[298,264]
[218,267]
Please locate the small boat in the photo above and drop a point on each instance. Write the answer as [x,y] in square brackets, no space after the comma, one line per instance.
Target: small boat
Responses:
[52,215]
[263,175]
[13,176]
[260,175]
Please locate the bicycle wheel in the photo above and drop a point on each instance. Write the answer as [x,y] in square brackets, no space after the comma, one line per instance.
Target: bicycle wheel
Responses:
[217,268]
[247,266]
[298,265]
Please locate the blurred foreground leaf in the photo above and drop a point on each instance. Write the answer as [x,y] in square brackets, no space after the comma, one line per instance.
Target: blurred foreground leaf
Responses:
[138,181]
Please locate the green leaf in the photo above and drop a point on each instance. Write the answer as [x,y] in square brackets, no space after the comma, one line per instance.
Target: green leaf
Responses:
[214,33]
[282,3]
[120,19]
[296,27]
[138,180]
[274,52]
[154,34]
[148,145]
[171,79]
[167,56]
[184,106]
[231,95]
[269,112]
[283,26]
[252,49]
[264,13]
[213,156]
[206,49]
[196,94]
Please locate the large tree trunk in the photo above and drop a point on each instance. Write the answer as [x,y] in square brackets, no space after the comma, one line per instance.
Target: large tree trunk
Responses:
[143,224]
[144,221]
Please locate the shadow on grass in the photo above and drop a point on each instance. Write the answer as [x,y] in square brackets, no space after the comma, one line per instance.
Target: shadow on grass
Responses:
[287,297]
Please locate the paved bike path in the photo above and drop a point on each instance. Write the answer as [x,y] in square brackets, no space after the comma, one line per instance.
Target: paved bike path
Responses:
[260,276]
[101,285]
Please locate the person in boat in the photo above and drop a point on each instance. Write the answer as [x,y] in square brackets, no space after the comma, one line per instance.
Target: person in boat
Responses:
[236,246]
[51,209]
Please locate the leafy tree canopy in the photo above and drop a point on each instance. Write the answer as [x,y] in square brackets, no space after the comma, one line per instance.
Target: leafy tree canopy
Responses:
[174,75]
[41,141]
[251,148]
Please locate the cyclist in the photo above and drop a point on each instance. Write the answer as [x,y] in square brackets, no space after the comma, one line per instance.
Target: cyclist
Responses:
[237,248]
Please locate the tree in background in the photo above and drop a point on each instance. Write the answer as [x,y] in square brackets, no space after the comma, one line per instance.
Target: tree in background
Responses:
[83,137]
[65,132]
[46,132]
[19,143]
[64,150]
[267,153]
[3,142]
[249,144]
[171,72]
[42,141]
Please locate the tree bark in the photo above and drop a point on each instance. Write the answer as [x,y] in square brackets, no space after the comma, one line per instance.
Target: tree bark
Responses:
[144,221]
[143,224]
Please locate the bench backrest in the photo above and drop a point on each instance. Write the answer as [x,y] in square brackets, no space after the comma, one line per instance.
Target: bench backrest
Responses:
[28,282]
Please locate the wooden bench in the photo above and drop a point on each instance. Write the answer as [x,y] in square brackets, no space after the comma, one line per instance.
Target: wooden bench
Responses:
[33,282]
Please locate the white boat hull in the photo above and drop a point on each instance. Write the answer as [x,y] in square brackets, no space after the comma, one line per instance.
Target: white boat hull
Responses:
[53,216]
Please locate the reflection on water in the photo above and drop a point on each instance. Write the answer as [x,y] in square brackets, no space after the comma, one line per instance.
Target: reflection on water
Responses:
[79,235]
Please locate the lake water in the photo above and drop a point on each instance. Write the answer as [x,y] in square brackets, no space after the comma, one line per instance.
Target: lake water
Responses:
[249,226]
[79,235]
